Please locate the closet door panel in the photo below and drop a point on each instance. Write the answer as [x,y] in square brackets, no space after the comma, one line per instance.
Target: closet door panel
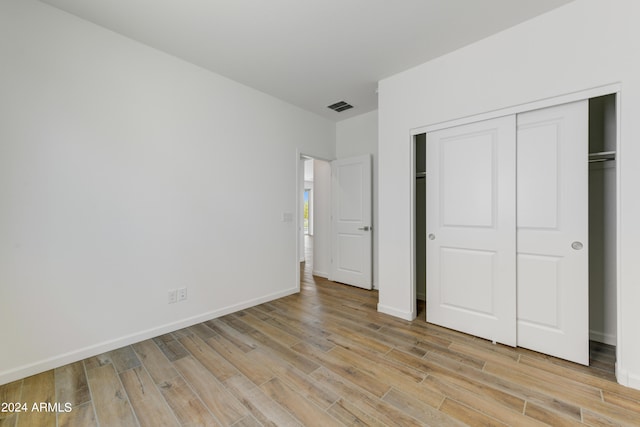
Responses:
[471,229]
[537,171]
[468,181]
[539,290]
[552,236]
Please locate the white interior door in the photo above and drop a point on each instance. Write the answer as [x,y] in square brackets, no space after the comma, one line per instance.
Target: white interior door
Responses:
[351,261]
[471,230]
[553,229]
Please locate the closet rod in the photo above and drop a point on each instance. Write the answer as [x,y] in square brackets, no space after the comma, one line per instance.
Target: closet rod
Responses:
[602,156]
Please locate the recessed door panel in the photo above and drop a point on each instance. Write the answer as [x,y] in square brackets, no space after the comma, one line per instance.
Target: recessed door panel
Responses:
[539,291]
[538,180]
[553,282]
[470,288]
[349,259]
[350,192]
[471,229]
[468,180]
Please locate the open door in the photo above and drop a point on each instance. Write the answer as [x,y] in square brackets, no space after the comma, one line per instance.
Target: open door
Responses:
[553,231]
[471,229]
[351,261]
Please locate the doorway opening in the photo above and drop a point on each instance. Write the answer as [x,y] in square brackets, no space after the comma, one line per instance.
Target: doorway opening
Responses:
[420,226]
[314,215]
[603,229]
[339,213]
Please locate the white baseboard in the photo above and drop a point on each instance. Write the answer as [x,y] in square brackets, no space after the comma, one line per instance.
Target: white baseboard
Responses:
[94,350]
[406,315]
[602,337]
[634,381]
[627,378]
[322,274]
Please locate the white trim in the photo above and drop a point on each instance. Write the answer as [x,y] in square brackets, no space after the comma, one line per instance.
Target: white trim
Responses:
[598,336]
[619,150]
[621,375]
[633,381]
[296,214]
[385,309]
[521,108]
[626,378]
[93,350]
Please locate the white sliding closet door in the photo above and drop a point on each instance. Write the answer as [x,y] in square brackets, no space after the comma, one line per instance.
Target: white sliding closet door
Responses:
[553,229]
[471,229]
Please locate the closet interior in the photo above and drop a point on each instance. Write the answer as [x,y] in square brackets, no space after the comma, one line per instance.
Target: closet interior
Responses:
[420,216]
[601,218]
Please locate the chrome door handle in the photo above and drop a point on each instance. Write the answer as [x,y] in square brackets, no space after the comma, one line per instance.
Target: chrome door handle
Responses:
[577,245]
[431,236]
[365,228]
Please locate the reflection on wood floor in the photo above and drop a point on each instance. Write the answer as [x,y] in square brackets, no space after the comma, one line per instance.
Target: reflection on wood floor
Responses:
[325,357]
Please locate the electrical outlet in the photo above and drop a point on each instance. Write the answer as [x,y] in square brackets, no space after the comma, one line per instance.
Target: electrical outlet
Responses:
[173,296]
[182,294]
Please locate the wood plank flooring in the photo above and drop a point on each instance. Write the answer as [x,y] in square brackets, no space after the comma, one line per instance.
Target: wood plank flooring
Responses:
[324,357]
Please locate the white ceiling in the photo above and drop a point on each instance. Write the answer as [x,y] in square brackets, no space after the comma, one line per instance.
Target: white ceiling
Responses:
[310,53]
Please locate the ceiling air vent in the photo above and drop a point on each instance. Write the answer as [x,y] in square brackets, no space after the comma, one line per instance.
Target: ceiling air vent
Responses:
[340,106]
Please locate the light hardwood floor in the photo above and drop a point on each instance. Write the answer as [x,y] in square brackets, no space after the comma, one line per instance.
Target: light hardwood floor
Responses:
[324,357]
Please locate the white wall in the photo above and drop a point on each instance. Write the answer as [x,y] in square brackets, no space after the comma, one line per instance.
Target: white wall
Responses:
[125,172]
[322,218]
[585,44]
[354,137]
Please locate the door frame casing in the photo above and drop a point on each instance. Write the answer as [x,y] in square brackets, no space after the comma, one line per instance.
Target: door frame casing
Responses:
[613,88]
